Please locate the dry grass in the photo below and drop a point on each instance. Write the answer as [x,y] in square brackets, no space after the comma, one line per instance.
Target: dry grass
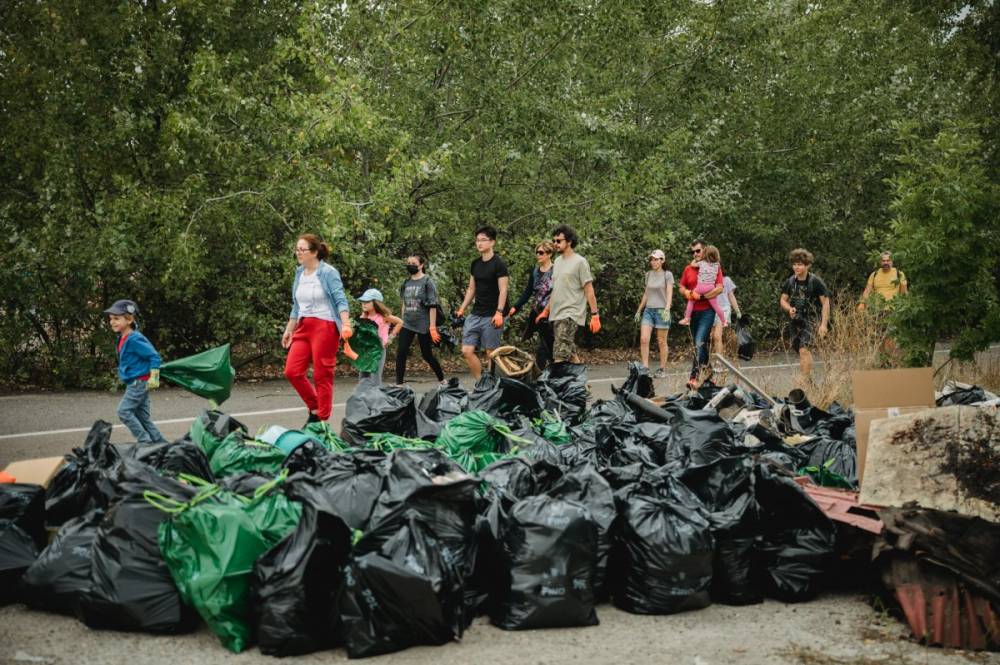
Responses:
[983,372]
[856,341]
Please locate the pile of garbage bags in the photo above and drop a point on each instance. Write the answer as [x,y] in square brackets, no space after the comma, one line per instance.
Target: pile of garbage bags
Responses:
[522,502]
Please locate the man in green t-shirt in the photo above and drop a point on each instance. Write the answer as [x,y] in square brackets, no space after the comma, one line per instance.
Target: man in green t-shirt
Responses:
[572,293]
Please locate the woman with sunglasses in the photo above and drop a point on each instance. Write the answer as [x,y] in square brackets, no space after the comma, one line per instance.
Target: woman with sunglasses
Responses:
[538,288]
[654,310]
[702,314]
[320,318]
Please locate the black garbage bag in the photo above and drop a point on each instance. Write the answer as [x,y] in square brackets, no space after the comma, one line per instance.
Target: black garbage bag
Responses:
[439,406]
[386,606]
[697,438]
[347,485]
[22,534]
[616,445]
[18,551]
[961,393]
[505,398]
[745,345]
[295,585]
[130,585]
[639,381]
[585,485]
[841,457]
[511,479]
[181,456]
[244,484]
[60,576]
[562,388]
[23,504]
[664,549]
[444,496]
[550,556]
[411,544]
[538,447]
[794,553]
[308,457]
[725,488]
[656,437]
[377,408]
[82,484]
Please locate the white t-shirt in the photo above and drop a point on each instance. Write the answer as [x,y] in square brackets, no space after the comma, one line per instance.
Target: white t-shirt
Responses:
[311,298]
[728,286]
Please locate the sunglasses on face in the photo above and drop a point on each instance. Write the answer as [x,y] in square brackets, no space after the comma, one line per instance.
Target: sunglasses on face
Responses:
[301,250]
[696,251]
[558,241]
[540,252]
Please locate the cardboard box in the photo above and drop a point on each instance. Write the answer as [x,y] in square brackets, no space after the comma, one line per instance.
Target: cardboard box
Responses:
[887,393]
[38,471]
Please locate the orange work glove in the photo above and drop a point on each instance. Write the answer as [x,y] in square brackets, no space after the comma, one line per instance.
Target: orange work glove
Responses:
[498,320]
[349,352]
[595,324]
[435,335]
[543,315]
[346,331]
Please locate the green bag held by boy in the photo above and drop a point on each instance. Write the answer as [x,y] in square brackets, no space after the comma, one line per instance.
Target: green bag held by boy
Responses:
[208,374]
[210,545]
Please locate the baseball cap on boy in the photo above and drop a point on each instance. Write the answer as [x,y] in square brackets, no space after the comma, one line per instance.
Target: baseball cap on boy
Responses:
[371,294]
[123,307]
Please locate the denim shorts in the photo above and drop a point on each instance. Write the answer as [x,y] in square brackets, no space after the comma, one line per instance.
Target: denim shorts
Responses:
[480,333]
[652,317]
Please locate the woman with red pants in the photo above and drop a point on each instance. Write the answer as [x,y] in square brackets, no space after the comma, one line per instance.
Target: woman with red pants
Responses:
[320,318]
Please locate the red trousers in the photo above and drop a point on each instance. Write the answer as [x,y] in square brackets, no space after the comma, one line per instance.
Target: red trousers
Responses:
[317,341]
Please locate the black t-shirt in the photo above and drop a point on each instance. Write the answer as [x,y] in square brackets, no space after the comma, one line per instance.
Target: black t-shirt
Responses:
[486,274]
[804,295]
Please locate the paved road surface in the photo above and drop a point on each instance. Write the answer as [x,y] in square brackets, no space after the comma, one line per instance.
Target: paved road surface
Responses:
[49,424]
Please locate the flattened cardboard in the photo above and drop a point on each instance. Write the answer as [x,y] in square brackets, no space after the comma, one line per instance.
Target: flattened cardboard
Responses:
[887,393]
[884,388]
[39,471]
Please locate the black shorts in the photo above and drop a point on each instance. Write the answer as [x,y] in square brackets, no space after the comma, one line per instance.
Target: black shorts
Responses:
[803,332]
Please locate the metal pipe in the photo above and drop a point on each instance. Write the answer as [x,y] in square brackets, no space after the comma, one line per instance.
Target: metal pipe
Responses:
[742,377]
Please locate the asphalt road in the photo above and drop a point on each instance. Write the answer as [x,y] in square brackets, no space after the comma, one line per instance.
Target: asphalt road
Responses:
[51,424]
[835,629]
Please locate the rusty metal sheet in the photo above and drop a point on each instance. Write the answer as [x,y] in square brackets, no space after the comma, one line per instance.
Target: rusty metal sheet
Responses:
[843,506]
[940,609]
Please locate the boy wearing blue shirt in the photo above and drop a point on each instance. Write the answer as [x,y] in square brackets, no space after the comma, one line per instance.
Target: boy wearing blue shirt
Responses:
[138,369]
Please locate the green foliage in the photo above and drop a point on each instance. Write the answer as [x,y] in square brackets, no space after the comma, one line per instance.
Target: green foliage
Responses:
[171,153]
[947,212]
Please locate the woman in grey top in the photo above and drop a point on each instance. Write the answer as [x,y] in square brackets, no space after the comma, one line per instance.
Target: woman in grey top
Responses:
[654,309]
[419,299]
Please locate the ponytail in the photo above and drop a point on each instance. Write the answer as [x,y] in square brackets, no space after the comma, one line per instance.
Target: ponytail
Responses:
[316,245]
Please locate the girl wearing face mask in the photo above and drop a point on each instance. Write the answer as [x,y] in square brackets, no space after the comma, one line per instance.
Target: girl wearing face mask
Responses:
[419,297]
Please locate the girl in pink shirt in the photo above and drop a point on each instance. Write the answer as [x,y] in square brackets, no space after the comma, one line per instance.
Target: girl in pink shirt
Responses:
[373,308]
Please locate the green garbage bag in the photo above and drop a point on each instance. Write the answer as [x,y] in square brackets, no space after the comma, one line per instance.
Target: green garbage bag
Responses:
[824,477]
[368,345]
[210,545]
[475,439]
[208,374]
[210,428]
[387,442]
[320,430]
[551,428]
[237,454]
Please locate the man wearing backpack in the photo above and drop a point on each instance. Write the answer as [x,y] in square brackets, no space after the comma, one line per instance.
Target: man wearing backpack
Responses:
[805,297]
[888,281]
